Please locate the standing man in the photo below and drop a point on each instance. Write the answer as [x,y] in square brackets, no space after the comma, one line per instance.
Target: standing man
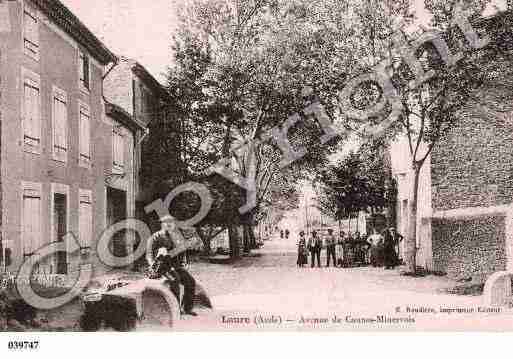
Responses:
[331,244]
[340,248]
[315,246]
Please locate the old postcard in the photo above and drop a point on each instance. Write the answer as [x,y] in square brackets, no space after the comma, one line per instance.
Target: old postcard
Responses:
[255,165]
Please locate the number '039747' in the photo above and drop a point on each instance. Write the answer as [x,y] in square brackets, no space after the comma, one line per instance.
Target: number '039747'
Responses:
[23,345]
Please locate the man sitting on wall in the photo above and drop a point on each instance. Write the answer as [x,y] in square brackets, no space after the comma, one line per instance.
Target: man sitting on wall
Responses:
[172,267]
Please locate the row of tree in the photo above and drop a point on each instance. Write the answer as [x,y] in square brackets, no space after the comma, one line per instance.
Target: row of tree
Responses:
[241,67]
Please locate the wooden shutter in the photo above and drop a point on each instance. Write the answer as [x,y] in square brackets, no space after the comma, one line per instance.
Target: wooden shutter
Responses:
[31,32]
[85,220]
[118,150]
[84,70]
[31,231]
[31,121]
[85,134]
[60,125]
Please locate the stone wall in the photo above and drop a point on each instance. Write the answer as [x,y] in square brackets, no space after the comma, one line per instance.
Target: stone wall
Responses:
[469,247]
[118,86]
[472,166]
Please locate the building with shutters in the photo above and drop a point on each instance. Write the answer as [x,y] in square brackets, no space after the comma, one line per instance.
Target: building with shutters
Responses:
[140,95]
[66,158]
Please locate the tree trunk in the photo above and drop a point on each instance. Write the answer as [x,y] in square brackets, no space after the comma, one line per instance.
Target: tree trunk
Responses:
[246,239]
[206,240]
[249,238]
[411,238]
[235,234]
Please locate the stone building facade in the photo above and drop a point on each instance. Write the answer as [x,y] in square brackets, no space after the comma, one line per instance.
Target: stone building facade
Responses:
[57,143]
[465,214]
[472,194]
[134,89]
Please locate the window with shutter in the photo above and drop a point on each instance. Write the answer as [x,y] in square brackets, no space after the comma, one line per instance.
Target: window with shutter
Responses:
[31,221]
[83,69]
[85,219]
[85,136]
[31,33]
[118,147]
[60,126]
[31,120]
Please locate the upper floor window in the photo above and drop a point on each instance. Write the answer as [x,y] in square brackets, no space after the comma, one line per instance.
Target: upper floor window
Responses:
[84,68]
[60,125]
[31,33]
[85,135]
[31,112]
[118,151]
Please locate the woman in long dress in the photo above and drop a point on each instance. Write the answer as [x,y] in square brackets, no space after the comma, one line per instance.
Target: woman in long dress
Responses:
[376,252]
[391,240]
[302,253]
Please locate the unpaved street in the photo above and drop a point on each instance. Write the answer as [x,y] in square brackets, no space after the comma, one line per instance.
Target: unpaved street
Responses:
[268,291]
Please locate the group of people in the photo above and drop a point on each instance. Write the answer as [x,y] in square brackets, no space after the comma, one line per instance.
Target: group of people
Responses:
[377,249]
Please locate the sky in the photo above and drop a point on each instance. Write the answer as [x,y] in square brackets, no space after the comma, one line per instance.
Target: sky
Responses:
[135,28]
[138,29]
[142,29]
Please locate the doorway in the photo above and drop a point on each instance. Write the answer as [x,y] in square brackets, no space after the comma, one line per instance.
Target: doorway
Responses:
[60,229]
[116,212]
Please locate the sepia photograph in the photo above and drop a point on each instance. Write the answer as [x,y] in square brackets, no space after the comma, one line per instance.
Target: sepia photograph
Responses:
[258,166]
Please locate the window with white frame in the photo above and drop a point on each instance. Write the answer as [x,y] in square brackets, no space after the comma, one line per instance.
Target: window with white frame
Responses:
[60,125]
[85,225]
[31,219]
[118,149]
[85,135]
[31,33]
[83,70]
[32,114]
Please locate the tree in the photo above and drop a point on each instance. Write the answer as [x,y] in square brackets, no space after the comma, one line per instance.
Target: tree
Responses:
[240,70]
[362,181]
[434,105]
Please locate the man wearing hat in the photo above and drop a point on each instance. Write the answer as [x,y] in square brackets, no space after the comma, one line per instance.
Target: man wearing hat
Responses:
[167,262]
[331,244]
[315,246]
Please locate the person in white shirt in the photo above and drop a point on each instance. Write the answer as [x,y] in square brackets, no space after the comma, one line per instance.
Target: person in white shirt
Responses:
[376,242]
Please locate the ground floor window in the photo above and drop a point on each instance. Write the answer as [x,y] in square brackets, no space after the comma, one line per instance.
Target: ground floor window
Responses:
[31,234]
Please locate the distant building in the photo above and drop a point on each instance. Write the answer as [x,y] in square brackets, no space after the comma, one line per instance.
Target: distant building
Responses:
[120,178]
[130,86]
